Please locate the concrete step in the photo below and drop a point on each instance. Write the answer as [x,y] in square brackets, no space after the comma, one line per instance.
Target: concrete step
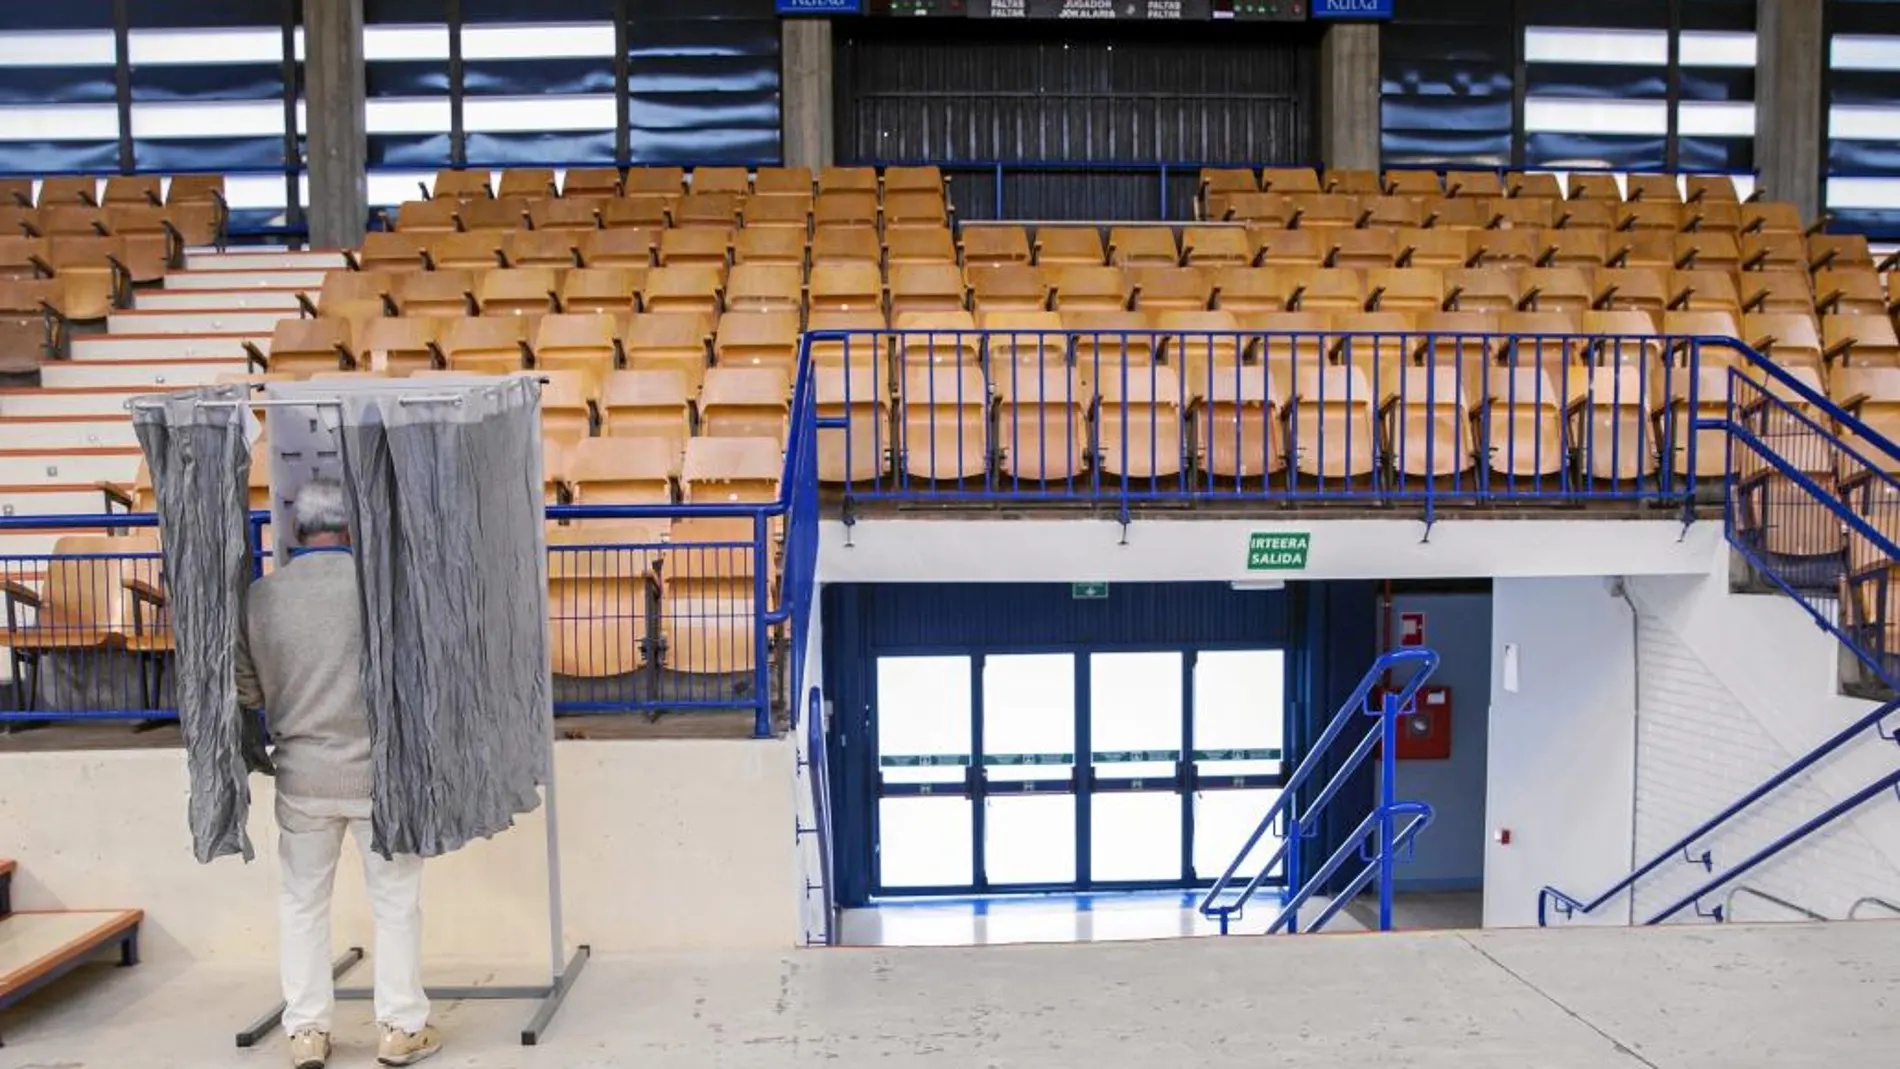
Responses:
[246,278]
[69,467]
[141,376]
[274,299]
[225,322]
[255,259]
[103,348]
[68,432]
[100,402]
[62,500]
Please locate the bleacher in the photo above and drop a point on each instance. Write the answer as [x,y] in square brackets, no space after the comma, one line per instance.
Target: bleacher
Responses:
[1346,337]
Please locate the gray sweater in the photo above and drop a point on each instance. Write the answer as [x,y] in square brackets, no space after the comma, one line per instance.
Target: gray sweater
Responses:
[300,659]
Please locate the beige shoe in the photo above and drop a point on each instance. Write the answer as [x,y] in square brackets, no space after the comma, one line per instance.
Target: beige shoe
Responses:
[309,1049]
[407,1048]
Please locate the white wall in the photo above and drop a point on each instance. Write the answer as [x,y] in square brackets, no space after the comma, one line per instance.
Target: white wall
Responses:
[1450,854]
[1040,551]
[1733,688]
[665,844]
[1559,761]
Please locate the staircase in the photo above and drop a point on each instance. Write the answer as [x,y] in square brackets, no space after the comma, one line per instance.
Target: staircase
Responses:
[37,948]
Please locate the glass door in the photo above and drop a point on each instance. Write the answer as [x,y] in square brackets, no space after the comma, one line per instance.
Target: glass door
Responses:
[1136,819]
[925,813]
[1239,728]
[1027,743]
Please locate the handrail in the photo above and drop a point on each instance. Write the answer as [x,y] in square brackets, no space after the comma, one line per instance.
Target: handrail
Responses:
[1421,815]
[1870,900]
[816,762]
[1566,906]
[1819,820]
[1725,913]
[1282,809]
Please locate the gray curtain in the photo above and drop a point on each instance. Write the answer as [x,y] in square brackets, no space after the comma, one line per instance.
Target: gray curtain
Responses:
[201,463]
[452,562]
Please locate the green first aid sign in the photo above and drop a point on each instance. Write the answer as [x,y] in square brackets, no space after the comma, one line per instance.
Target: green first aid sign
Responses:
[1281,551]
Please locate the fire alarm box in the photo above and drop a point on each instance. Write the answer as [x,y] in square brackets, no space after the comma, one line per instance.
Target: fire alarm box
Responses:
[1426,734]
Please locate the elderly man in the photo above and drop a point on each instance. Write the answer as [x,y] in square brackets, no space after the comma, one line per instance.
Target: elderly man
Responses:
[300,658]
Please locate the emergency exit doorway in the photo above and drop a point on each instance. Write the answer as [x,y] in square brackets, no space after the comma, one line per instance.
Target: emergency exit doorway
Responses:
[1071,770]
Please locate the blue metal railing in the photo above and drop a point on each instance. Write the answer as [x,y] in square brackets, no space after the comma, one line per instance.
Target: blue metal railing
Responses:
[1131,416]
[1292,821]
[818,773]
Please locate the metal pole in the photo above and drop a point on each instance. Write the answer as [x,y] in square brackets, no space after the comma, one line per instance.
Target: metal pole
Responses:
[1388,783]
[556,924]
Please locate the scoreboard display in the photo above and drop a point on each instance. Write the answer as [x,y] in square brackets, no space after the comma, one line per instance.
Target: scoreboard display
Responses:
[1124,10]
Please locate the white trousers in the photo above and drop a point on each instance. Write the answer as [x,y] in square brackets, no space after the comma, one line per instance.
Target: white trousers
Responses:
[310,838]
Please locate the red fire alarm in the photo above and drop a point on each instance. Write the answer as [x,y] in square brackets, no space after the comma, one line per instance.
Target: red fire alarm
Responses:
[1411,629]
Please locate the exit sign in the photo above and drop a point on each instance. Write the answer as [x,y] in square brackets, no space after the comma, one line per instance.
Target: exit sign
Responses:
[1088,591]
[1277,551]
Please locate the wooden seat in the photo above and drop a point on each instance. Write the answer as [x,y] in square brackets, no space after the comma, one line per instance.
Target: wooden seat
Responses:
[573,213]
[1138,422]
[1427,423]
[1332,290]
[846,287]
[1033,339]
[527,183]
[1289,180]
[153,244]
[1662,216]
[777,213]
[1788,338]
[1611,425]
[846,245]
[745,402]
[731,470]
[1361,250]
[518,291]
[93,274]
[1217,183]
[401,347]
[1848,291]
[717,211]
[567,403]
[1709,251]
[1405,289]
[847,208]
[1774,252]
[987,244]
[1412,182]
[600,182]
[769,245]
[1476,184]
[679,341]
[655,181]
[1860,341]
[599,577]
[937,287]
[1266,210]
[502,213]
[631,247]
[863,450]
[621,471]
[1513,249]
[707,596]
[1215,246]
[704,246]
[642,211]
[1331,432]
[69,189]
[1041,422]
[601,289]
[1439,250]
[475,251]
[905,210]
[1524,425]
[1288,248]
[1236,424]
[449,292]
[943,422]
[864,337]
[765,288]
[487,345]
[648,404]
[1106,342]
[942,338]
[1090,289]
[927,179]
[1008,287]
[1871,395]
[1772,217]
[1839,252]
[460,185]
[302,346]
[1582,249]
[1251,289]
[1389,213]
[1702,290]
[1199,345]
[1142,246]
[83,600]
[676,288]
[848,180]
[758,340]
[1323,211]
[919,245]
[585,343]
[541,248]
[1165,289]
[1556,289]
[1079,246]
[1622,338]
[782,181]
[1536,214]
[1634,289]
[386,252]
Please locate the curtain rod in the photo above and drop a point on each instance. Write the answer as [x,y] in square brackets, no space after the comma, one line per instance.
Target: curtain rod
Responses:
[321,402]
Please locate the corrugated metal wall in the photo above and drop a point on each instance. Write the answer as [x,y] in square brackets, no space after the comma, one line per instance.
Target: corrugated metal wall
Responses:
[1057,93]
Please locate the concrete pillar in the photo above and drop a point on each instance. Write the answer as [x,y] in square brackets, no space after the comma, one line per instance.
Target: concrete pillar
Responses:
[1790,114]
[337,146]
[805,111]
[1349,96]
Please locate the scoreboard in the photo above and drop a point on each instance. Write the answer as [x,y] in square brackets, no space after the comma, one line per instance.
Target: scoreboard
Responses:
[1125,10]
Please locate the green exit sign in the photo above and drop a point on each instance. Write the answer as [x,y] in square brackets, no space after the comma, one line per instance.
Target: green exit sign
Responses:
[1088,591]
[1277,551]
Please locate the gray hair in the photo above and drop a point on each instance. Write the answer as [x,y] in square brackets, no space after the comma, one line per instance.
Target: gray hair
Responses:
[321,509]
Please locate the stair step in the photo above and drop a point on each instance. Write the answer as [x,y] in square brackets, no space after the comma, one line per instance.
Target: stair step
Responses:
[223,322]
[67,432]
[256,298]
[100,348]
[35,947]
[265,278]
[63,499]
[265,259]
[27,467]
[141,376]
[94,401]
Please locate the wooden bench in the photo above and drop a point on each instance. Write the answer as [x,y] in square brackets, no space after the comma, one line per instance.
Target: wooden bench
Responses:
[37,947]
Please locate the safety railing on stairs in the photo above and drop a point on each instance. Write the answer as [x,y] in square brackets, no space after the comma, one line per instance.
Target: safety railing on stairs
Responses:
[1291,820]
[816,765]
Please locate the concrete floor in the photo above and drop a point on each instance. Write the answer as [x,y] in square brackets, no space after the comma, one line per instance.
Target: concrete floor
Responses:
[1692,997]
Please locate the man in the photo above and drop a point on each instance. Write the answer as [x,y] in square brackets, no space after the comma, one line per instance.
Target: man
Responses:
[300,658]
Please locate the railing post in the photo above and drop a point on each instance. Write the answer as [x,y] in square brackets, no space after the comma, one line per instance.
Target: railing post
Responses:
[761,630]
[1388,788]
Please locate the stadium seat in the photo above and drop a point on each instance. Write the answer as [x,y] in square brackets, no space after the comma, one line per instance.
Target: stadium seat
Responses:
[847,208]
[1289,180]
[777,213]
[1777,291]
[848,180]
[718,211]
[1440,250]
[765,288]
[1427,423]
[1461,214]
[1213,246]
[905,210]
[708,596]
[1250,289]
[1481,289]
[1546,341]
[644,211]
[1708,250]
[1327,290]
[1031,339]
[1271,211]
[1584,215]
[621,471]
[1161,289]
[1526,214]
[943,422]
[1356,182]
[1582,249]
[1860,340]
[1361,249]
[1105,342]
[1555,289]
[1635,289]
[487,345]
[598,620]
[1142,246]
[856,395]
[1713,217]
[1462,340]
[864,337]
[1413,182]
[769,245]
[603,182]
[845,287]
[648,404]
[985,245]
[677,341]
[1514,249]
[584,343]
[1138,422]
[541,248]
[1082,289]
[1008,287]
[919,245]
[1237,425]
[1324,211]
[705,246]
[527,183]
[1848,291]
[1405,289]
[386,252]
[1774,252]
[502,213]
[1041,425]
[782,181]
[1524,424]
[629,247]
[448,292]
[80,190]
[1473,184]
[568,213]
[684,288]
[198,208]
[733,181]
[1622,337]
[1069,246]
[744,402]
[401,347]
[460,185]
[602,289]
[1611,426]
[1331,431]
[1703,290]
[302,346]
[1839,252]
[846,245]
[518,291]
[1199,345]
[660,181]
[759,340]
[1871,395]
[567,405]
[927,288]
[476,251]
[1771,217]
[1289,248]
[1389,213]
[1788,338]
[938,338]
[1637,216]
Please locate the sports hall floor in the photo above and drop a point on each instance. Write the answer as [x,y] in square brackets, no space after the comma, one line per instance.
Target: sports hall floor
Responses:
[1738,997]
